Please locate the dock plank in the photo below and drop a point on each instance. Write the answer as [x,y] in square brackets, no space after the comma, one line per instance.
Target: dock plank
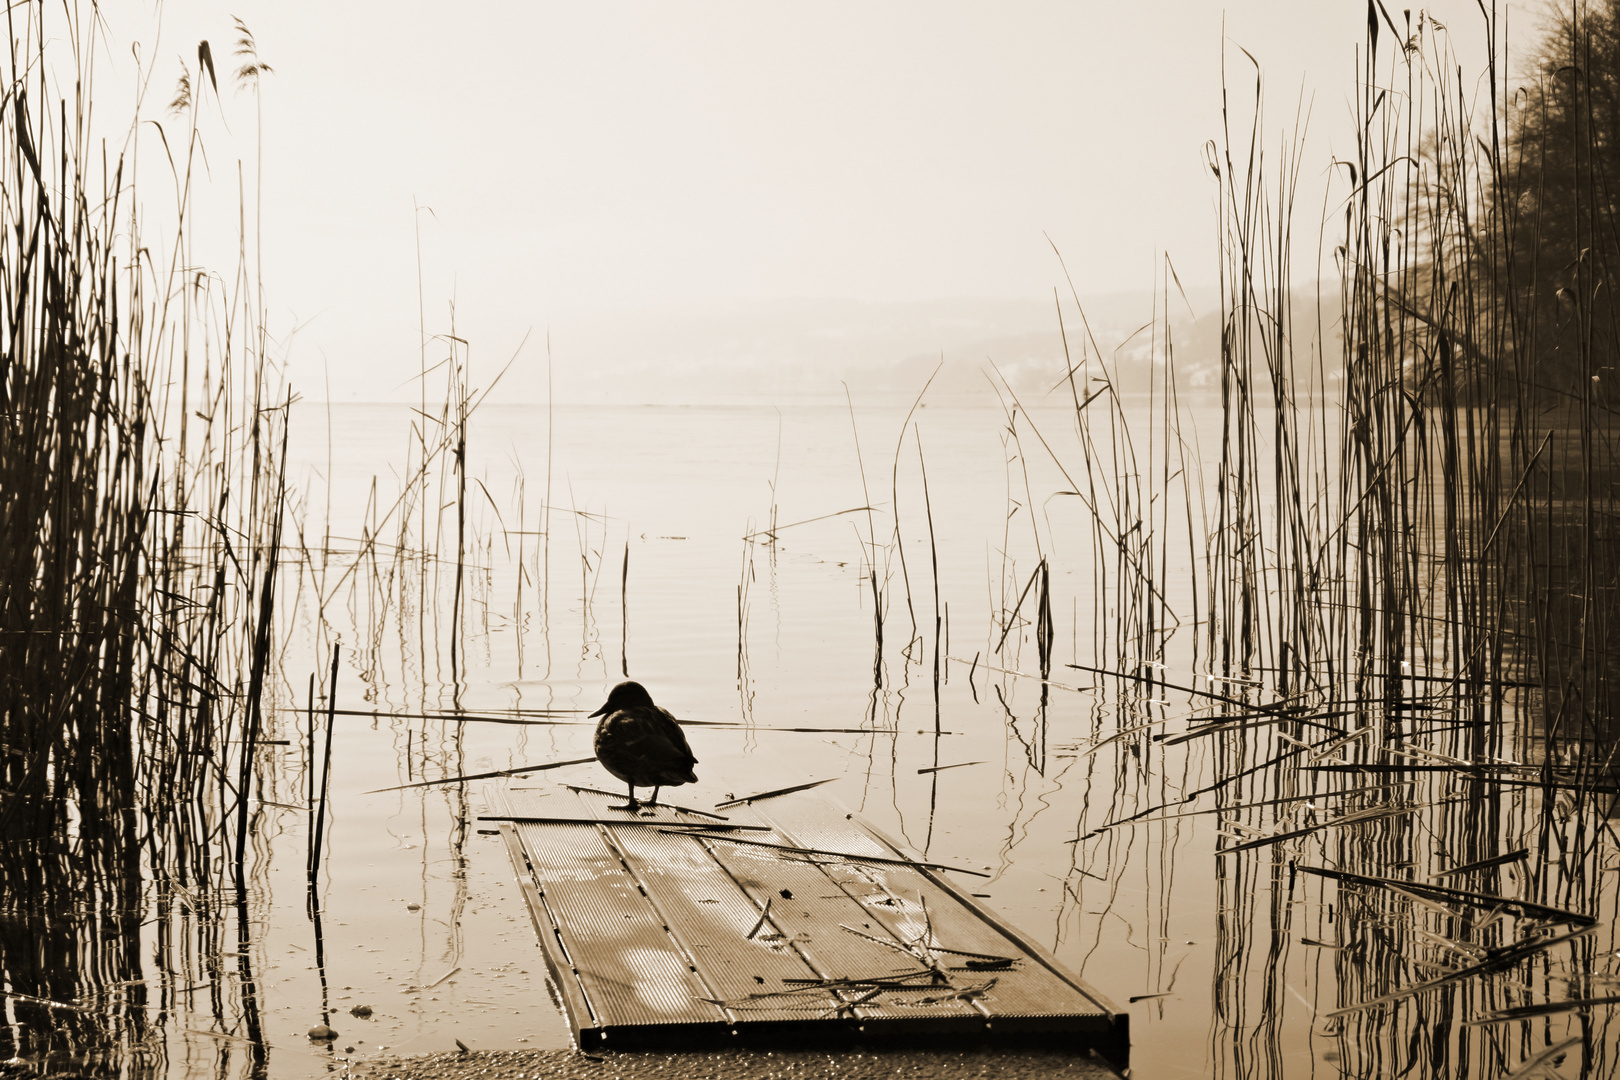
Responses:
[672,937]
[706,914]
[809,904]
[629,968]
[920,909]
[805,908]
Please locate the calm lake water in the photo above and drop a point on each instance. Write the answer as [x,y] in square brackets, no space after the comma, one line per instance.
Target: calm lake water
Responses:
[657,565]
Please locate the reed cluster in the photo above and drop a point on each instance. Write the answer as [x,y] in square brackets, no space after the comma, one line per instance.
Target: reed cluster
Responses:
[141,515]
[1407,578]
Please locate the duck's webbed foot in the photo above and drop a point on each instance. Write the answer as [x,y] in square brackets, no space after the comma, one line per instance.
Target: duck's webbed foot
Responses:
[632,804]
[649,807]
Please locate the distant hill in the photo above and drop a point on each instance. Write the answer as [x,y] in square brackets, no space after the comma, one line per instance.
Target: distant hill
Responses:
[811,349]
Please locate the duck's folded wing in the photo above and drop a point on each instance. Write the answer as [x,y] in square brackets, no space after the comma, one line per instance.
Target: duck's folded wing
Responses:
[651,750]
[676,737]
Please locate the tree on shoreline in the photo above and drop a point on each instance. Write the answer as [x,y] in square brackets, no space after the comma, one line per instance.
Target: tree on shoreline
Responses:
[1559,194]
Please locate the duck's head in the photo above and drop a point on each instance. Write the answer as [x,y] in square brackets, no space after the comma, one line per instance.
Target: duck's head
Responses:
[627,695]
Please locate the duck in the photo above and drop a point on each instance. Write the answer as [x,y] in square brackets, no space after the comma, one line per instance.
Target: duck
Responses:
[641,744]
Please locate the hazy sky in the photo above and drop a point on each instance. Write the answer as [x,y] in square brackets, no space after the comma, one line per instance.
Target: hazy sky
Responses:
[583,156]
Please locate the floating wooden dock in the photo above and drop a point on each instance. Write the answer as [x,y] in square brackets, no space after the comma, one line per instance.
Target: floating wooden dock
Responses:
[787,919]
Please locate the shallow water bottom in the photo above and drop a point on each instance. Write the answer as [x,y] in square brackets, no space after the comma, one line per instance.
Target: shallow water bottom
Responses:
[740,1064]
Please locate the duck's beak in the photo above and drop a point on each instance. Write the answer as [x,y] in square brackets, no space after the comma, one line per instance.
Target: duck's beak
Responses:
[599,712]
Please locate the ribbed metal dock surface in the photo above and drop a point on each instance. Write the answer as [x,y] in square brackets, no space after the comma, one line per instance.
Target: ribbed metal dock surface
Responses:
[661,932]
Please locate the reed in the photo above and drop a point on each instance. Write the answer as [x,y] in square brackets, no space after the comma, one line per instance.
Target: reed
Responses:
[319,794]
[142,504]
[869,548]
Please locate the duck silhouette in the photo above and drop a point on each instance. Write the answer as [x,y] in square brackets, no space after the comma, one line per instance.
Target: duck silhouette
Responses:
[641,744]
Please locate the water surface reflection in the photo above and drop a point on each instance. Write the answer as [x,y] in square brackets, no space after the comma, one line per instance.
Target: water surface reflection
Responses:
[1097,774]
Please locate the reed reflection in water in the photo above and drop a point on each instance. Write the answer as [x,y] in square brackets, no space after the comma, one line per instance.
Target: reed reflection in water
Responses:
[1098,801]
[1332,634]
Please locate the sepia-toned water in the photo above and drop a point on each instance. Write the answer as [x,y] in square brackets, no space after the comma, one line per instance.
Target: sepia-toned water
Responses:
[650,574]
[725,557]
